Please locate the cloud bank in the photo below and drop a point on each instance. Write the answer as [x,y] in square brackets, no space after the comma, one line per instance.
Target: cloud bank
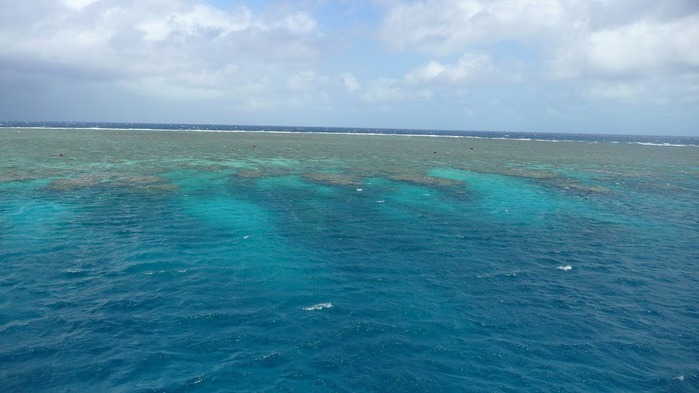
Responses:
[176,49]
[548,64]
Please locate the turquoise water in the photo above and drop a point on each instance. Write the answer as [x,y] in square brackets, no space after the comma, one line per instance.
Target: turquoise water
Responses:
[158,261]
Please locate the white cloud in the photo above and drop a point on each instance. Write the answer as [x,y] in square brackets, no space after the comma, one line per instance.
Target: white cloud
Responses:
[299,23]
[601,43]
[350,82]
[469,69]
[166,48]
[78,5]
[632,50]
[298,59]
[445,26]
[155,30]
[576,38]
[199,20]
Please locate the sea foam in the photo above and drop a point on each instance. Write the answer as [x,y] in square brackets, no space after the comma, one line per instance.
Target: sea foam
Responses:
[318,306]
[565,268]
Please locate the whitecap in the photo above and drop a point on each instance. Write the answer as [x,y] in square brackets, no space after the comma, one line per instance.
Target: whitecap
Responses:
[679,378]
[318,306]
[565,268]
[660,144]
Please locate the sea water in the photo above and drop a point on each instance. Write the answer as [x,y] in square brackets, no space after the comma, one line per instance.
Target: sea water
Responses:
[180,261]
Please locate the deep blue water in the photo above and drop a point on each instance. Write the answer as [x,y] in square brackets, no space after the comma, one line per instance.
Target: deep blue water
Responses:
[598,138]
[137,261]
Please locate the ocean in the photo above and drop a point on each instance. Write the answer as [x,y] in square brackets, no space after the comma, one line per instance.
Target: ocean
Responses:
[179,258]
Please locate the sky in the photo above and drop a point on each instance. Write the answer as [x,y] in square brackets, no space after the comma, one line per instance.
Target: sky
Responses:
[586,66]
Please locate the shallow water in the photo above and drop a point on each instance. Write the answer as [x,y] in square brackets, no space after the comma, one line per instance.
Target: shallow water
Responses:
[193,261]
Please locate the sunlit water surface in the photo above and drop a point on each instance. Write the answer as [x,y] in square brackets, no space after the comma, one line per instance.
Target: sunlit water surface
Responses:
[176,261]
